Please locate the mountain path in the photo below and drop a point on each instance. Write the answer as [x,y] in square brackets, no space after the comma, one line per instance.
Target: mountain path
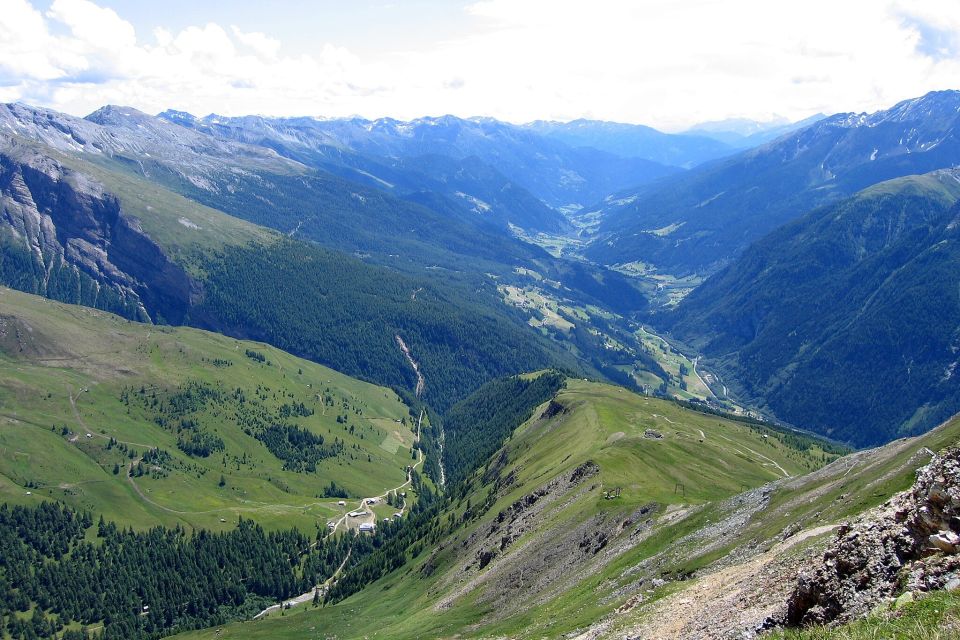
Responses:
[770,461]
[720,604]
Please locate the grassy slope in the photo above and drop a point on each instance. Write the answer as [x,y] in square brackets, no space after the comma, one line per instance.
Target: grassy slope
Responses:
[604,424]
[935,617]
[938,185]
[842,490]
[75,352]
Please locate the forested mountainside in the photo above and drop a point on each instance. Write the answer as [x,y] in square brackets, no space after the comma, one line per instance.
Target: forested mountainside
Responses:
[845,320]
[131,246]
[700,220]
[349,315]
[197,472]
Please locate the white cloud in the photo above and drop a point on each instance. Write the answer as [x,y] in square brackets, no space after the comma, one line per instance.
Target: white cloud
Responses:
[676,62]
[261,43]
[93,25]
[660,62]
[24,50]
[79,56]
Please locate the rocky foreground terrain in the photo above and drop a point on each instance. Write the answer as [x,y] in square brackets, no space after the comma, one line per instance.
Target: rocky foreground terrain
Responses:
[908,544]
[828,574]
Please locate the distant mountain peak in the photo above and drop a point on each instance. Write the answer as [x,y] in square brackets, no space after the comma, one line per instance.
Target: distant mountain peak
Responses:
[934,105]
[632,141]
[743,133]
[177,116]
[740,126]
[934,108]
[112,114]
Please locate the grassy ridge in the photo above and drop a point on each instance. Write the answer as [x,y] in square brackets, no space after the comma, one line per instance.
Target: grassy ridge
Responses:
[68,371]
[597,423]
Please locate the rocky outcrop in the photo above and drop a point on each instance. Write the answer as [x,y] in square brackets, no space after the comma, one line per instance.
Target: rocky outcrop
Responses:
[66,238]
[150,145]
[521,516]
[911,541]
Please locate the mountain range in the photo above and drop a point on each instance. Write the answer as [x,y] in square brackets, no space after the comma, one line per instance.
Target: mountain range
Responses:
[388,153]
[456,377]
[741,133]
[699,220]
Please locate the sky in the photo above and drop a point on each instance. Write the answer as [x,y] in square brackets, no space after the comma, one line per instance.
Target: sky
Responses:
[665,63]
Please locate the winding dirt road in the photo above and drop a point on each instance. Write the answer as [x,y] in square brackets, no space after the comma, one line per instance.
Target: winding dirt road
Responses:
[308,596]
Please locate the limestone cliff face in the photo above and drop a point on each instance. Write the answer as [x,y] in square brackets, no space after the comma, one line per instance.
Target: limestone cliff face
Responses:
[64,237]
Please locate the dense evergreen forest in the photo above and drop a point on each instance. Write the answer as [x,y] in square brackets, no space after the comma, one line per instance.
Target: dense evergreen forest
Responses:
[477,426]
[146,584]
[345,314]
[840,321]
[62,577]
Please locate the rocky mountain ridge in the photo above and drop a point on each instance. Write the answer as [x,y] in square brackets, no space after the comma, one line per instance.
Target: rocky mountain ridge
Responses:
[148,144]
[554,172]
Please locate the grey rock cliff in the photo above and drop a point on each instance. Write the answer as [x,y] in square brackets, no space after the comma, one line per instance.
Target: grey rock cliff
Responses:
[64,220]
